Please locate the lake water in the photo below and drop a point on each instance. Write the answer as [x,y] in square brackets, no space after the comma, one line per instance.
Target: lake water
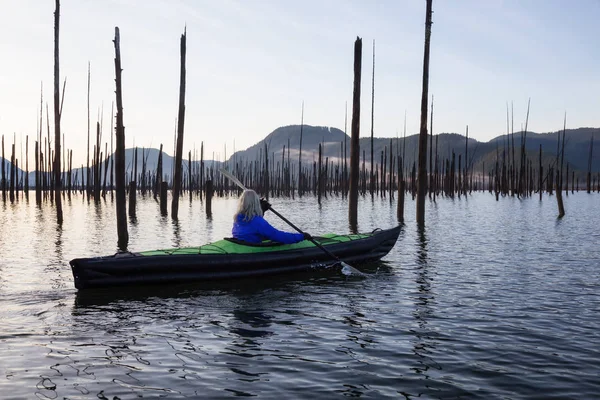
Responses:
[493,300]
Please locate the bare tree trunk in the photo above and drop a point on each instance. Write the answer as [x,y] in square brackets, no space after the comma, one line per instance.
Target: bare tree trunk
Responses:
[430,186]
[319,175]
[112,159]
[158,182]
[209,196]
[354,143]
[561,154]
[436,168]
[401,190]
[422,179]
[371,179]
[541,169]
[164,187]
[512,138]
[391,180]
[180,125]
[102,181]
[523,170]
[133,185]
[190,188]
[123,235]
[201,168]
[87,175]
[38,154]
[300,180]
[11,187]
[26,177]
[57,112]
[132,199]
[345,178]
[3,172]
[466,169]
[97,165]
[266,184]
[589,171]
[70,173]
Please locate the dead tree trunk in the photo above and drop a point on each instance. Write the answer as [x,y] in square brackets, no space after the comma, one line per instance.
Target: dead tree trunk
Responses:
[266,173]
[354,143]
[589,170]
[164,187]
[11,186]
[430,185]
[422,179]
[3,172]
[132,199]
[180,123]
[158,182]
[300,180]
[38,156]
[209,196]
[345,178]
[319,175]
[106,161]
[401,190]
[190,175]
[541,172]
[97,165]
[123,235]
[371,177]
[561,154]
[57,112]
[26,181]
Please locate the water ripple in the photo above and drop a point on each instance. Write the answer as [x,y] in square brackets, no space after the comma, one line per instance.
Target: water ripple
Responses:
[492,300]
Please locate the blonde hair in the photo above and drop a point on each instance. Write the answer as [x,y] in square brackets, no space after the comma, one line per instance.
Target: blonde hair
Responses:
[248,206]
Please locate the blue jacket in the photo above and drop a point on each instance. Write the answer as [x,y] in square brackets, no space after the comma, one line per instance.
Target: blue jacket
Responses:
[258,229]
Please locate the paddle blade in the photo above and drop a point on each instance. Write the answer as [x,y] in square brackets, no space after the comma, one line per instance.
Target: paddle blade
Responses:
[350,270]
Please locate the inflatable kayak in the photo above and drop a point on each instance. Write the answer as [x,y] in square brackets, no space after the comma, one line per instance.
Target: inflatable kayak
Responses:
[228,259]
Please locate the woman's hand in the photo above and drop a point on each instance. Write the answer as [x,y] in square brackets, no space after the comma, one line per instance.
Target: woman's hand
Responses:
[264,205]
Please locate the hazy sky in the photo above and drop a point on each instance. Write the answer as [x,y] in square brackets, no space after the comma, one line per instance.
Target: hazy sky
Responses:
[251,63]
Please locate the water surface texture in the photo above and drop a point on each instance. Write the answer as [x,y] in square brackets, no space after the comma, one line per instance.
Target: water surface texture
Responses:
[492,300]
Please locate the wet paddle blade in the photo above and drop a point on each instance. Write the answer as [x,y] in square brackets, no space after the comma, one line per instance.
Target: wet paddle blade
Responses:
[350,270]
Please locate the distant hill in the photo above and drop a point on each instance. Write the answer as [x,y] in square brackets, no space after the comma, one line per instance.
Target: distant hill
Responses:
[289,136]
[577,146]
[150,155]
[333,140]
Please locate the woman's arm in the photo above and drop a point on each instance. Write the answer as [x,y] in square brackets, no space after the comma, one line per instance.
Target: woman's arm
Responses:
[266,230]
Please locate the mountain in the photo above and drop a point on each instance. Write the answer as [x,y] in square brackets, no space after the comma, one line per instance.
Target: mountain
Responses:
[333,140]
[289,136]
[149,155]
[577,147]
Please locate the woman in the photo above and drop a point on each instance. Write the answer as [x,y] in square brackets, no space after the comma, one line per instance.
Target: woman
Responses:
[250,226]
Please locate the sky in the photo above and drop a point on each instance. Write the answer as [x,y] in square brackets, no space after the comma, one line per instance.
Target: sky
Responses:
[252,63]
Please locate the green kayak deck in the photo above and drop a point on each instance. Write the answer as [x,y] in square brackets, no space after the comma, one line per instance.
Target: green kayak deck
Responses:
[227,246]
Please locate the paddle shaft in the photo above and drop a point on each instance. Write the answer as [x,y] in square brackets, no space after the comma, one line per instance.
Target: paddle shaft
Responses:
[319,245]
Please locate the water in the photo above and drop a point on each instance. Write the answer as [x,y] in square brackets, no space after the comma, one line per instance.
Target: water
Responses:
[493,300]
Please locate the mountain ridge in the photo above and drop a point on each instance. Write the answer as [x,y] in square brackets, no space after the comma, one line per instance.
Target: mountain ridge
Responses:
[333,141]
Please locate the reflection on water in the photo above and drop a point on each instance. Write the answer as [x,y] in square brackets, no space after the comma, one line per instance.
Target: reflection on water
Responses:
[425,338]
[257,320]
[489,300]
[176,233]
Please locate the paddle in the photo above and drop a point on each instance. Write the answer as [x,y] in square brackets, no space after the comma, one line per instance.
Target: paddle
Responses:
[345,266]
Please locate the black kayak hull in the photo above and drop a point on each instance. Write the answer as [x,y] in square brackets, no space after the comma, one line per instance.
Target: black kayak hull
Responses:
[131,269]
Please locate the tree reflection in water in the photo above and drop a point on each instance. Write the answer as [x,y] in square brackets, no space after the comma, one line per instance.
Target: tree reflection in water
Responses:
[425,336]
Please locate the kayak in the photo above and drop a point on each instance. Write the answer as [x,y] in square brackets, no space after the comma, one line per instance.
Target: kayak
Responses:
[229,259]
